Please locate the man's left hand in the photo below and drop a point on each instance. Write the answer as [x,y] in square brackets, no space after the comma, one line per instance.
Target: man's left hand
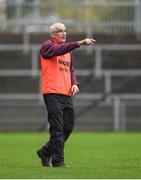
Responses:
[74,89]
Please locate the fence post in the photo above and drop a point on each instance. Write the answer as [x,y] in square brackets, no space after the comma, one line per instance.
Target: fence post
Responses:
[137,16]
[116,113]
[108,82]
[34,62]
[123,116]
[98,61]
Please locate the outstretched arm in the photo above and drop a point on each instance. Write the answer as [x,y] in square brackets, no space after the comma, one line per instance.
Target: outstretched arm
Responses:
[49,49]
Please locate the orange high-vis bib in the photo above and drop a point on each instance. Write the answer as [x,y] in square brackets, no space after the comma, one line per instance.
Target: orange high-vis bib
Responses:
[56,76]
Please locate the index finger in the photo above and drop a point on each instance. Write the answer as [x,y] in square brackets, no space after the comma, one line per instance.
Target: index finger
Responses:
[93,40]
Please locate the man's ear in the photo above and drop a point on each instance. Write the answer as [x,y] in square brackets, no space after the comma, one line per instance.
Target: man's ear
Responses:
[52,35]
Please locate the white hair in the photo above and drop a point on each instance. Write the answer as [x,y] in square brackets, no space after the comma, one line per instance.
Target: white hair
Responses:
[56,26]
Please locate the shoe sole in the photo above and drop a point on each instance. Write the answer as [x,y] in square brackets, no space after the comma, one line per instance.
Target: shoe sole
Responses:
[61,166]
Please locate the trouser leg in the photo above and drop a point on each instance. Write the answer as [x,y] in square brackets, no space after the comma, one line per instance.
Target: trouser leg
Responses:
[61,120]
[55,118]
[56,137]
[69,118]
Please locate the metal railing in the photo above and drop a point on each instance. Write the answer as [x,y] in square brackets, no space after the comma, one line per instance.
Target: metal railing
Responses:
[97,66]
[108,16]
[115,100]
[119,104]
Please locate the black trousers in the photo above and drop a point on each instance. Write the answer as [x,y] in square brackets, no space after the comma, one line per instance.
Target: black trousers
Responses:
[61,119]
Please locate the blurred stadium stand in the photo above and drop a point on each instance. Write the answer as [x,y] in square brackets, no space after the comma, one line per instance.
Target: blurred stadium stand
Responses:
[109,72]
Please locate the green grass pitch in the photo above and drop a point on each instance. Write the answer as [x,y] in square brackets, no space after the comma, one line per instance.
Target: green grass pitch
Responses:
[90,155]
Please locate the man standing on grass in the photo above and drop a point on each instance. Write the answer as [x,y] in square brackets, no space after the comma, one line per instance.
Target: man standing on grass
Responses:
[58,85]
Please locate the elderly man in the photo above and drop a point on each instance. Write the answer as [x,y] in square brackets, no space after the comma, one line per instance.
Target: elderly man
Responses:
[59,84]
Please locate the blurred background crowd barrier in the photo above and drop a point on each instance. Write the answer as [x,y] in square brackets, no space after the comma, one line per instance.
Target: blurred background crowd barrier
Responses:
[109,72]
[81,16]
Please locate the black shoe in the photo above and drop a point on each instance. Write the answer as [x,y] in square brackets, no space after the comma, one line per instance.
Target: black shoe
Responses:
[45,159]
[61,165]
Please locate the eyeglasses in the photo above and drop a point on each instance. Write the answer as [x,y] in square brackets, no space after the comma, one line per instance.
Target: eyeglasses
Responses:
[61,31]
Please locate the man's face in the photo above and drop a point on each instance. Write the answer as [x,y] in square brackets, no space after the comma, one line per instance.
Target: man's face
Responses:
[60,34]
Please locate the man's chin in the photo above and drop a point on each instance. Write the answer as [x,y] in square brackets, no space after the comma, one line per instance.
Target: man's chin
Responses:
[60,41]
[63,41]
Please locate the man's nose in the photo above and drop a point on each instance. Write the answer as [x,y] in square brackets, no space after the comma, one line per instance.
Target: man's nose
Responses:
[64,32]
